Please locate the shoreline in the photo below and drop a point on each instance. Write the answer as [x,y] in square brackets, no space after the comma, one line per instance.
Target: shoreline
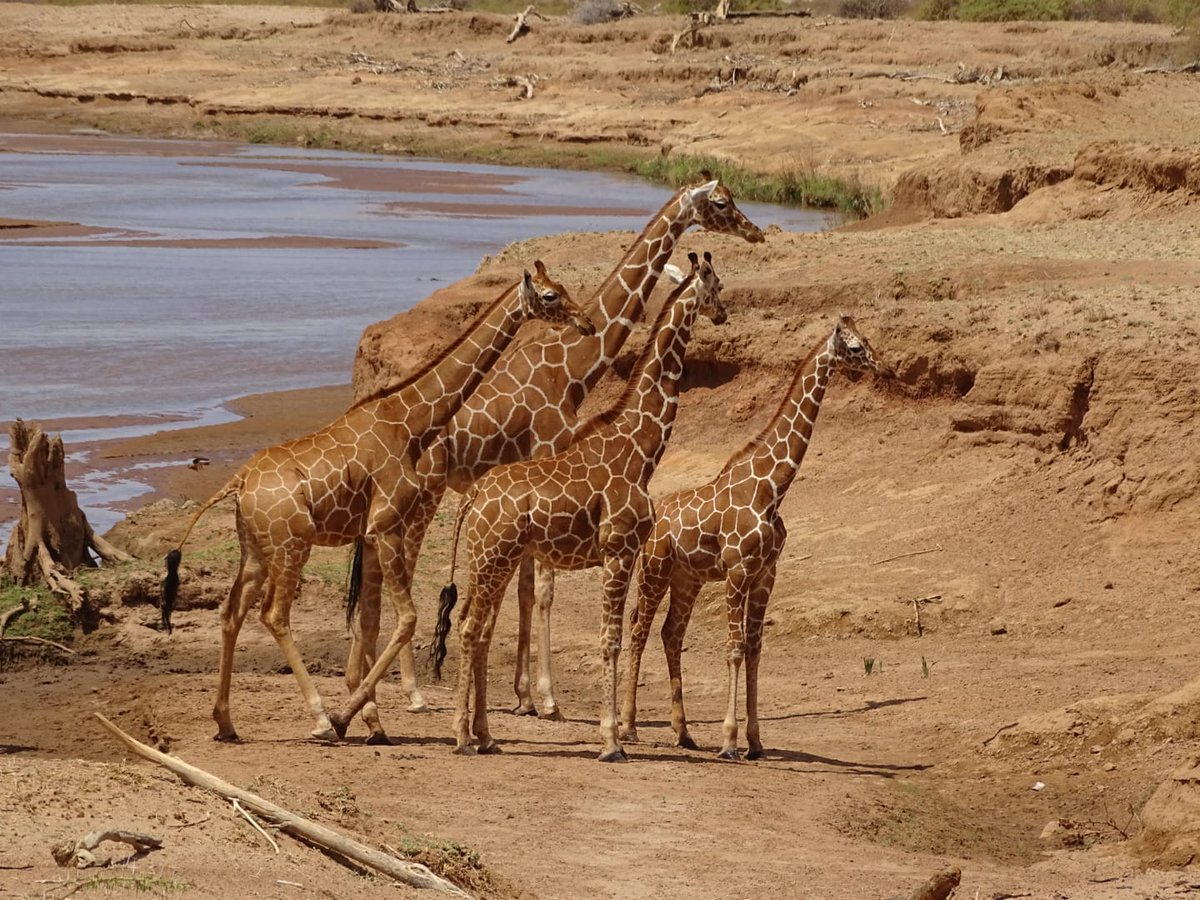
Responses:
[135,472]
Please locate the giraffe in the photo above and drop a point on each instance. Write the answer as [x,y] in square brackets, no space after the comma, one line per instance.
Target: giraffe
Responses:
[585,506]
[730,530]
[527,406]
[351,480]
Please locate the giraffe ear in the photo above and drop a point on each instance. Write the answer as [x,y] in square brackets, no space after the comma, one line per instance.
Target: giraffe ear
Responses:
[704,190]
[693,259]
[528,280]
[540,268]
[673,273]
[708,257]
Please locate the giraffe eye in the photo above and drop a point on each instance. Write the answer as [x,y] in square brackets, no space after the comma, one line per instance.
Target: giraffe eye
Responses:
[550,297]
[718,203]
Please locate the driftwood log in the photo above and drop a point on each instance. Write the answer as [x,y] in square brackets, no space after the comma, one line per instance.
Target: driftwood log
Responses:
[78,854]
[327,839]
[521,22]
[52,538]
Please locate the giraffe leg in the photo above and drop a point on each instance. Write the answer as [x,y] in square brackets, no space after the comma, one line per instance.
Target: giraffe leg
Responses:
[617,571]
[364,630]
[276,609]
[396,581]
[544,587]
[756,611]
[243,594]
[737,589]
[469,627]
[525,600]
[679,613]
[479,665]
[408,663]
[651,582]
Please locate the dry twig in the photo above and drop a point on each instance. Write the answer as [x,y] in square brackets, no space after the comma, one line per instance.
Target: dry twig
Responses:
[936,548]
[77,854]
[254,822]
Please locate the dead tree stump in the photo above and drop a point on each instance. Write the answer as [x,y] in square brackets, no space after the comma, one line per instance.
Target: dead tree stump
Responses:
[52,538]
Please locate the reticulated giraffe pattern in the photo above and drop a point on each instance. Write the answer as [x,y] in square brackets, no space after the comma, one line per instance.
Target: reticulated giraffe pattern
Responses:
[354,478]
[585,506]
[527,405]
[730,530]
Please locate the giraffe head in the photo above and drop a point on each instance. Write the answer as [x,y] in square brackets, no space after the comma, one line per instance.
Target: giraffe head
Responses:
[707,286]
[852,351]
[713,208]
[544,298]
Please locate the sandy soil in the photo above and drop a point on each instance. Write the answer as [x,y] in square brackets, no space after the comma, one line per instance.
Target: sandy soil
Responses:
[1033,471]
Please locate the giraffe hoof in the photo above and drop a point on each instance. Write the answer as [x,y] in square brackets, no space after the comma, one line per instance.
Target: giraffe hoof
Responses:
[628,736]
[378,737]
[491,748]
[338,727]
[227,737]
[757,753]
[613,756]
[523,710]
[687,743]
[467,750]
[418,707]
[730,754]
[554,714]
[325,735]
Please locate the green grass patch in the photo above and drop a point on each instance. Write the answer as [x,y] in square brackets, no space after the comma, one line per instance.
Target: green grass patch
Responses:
[48,618]
[223,552]
[149,883]
[799,186]
[449,859]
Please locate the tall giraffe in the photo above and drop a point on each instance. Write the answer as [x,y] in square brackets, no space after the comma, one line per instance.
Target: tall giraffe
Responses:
[527,406]
[730,530]
[586,506]
[350,480]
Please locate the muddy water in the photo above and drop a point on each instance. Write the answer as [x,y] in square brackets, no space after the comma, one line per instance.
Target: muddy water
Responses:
[187,274]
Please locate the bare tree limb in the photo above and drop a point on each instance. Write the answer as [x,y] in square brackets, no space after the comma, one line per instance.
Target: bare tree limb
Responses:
[521,22]
[409,873]
[254,822]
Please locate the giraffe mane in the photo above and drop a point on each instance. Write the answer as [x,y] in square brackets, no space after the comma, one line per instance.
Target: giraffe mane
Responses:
[598,421]
[437,360]
[797,375]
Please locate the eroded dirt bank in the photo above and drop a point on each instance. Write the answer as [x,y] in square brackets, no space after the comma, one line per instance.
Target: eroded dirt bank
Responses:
[1033,470]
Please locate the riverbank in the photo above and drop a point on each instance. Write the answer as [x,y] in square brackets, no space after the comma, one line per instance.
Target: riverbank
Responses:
[988,598]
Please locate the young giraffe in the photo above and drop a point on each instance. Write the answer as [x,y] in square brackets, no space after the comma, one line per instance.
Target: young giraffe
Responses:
[586,506]
[526,406]
[730,530]
[349,480]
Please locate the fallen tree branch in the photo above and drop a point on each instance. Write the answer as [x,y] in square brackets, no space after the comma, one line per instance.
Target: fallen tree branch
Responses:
[521,23]
[77,854]
[409,873]
[12,613]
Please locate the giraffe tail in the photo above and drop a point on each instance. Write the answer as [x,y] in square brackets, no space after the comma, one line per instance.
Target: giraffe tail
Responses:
[170,583]
[449,596]
[354,582]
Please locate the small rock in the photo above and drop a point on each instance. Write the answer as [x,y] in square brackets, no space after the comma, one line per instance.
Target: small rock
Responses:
[1053,830]
[1062,601]
[1096,748]
[1039,785]
[997,626]
[1109,767]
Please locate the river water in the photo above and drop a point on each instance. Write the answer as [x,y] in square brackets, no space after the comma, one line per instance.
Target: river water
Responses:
[203,272]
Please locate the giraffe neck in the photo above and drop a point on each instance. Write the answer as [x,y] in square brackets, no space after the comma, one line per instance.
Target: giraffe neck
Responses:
[425,402]
[652,398]
[778,451]
[621,299]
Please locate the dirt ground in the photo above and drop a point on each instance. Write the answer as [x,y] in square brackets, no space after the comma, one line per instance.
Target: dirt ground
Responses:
[1032,474]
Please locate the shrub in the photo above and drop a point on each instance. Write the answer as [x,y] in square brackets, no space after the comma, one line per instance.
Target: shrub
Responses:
[1012,10]
[872,9]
